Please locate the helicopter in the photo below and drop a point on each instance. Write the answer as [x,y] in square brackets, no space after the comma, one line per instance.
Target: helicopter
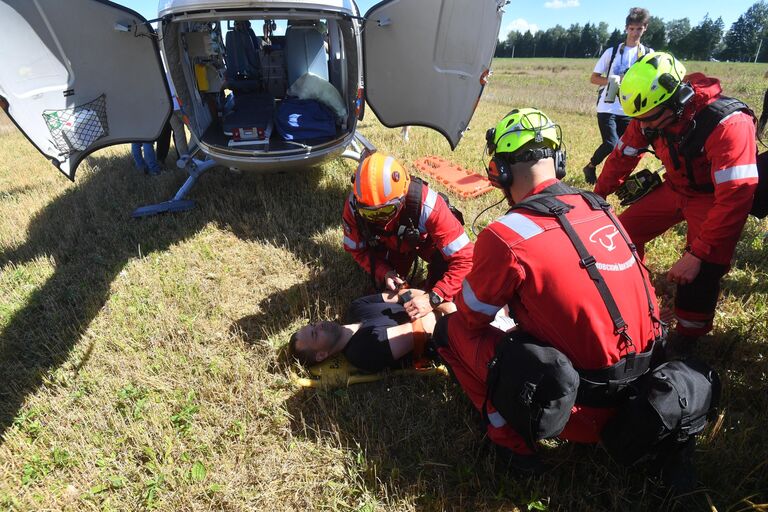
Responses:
[82,75]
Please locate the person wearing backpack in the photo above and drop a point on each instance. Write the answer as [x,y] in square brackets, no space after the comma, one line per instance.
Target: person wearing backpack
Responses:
[608,72]
[390,219]
[586,312]
[706,143]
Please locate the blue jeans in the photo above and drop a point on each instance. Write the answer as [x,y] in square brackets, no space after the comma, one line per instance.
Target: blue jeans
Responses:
[147,162]
[612,127]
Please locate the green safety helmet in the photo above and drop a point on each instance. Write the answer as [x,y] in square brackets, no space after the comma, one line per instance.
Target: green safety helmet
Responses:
[509,142]
[650,82]
[520,127]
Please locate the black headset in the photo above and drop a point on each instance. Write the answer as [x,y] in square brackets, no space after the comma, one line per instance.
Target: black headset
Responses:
[499,168]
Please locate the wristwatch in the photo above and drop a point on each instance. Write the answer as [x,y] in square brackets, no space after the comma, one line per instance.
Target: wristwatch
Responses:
[435,299]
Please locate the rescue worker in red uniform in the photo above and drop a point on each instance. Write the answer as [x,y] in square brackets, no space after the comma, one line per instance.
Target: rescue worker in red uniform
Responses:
[385,233]
[526,261]
[712,192]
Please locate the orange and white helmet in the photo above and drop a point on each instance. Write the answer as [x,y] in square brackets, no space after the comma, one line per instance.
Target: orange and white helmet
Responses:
[380,187]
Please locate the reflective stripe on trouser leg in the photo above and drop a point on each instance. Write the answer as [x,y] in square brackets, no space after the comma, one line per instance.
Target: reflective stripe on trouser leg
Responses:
[695,303]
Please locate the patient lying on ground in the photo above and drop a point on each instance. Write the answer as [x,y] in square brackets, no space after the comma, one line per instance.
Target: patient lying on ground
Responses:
[382,335]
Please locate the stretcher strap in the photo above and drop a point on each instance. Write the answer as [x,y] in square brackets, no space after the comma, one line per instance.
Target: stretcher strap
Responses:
[420,337]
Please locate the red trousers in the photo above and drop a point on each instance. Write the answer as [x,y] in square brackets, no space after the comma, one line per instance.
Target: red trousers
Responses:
[467,354]
[654,214]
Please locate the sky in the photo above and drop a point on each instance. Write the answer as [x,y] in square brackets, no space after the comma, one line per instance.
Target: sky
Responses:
[542,14]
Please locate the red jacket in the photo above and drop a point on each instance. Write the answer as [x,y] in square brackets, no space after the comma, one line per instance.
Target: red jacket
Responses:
[728,162]
[526,260]
[439,231]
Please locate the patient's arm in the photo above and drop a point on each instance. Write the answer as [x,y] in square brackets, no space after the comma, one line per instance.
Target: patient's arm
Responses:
[401,336]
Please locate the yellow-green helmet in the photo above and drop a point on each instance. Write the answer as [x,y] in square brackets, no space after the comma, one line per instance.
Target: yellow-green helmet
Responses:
[520,127]
[649,82]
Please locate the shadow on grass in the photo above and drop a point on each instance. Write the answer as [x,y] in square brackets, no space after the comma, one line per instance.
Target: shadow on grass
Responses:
[88,233]
[417,439]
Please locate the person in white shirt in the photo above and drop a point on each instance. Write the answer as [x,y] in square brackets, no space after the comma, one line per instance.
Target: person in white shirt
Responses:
[611,67]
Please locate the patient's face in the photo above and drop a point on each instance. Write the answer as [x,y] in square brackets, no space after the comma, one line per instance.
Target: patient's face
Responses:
[319,339]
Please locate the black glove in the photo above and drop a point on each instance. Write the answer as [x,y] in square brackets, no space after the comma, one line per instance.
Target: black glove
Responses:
[637,186]
[590,174]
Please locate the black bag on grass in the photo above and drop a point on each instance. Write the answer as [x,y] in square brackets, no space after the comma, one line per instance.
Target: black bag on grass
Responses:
[532,386]
[667,405]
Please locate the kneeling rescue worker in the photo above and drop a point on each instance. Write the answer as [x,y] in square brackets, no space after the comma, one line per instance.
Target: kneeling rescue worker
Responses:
[707,145]
[390,219]
[584,305]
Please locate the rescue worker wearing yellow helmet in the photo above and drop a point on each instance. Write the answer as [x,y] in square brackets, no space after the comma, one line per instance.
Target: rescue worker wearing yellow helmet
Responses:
[706,143]
[563,266]
[391,219]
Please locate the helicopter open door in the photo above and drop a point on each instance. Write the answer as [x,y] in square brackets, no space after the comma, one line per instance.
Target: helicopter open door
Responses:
[80,75]
[427,61]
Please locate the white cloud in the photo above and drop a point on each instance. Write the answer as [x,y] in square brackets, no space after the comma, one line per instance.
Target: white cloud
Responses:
[521,26]
[561,4]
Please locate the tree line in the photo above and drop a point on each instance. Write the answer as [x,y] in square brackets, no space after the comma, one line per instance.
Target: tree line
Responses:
[744,40]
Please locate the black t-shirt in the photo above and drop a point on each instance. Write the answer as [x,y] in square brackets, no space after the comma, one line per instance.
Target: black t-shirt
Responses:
[368,349]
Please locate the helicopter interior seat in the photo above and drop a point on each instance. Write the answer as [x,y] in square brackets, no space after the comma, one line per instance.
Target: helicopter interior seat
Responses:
[305,51]
[243,71]
[249,109]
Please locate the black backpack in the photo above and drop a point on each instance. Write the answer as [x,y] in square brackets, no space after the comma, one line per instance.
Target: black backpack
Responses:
[692,146]
[671,404]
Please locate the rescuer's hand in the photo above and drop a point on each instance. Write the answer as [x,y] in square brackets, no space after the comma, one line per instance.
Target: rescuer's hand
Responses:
[418,306]
[685,270]
[392,281]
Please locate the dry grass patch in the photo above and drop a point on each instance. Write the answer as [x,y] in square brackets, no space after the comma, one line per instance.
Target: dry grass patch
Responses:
[140,363]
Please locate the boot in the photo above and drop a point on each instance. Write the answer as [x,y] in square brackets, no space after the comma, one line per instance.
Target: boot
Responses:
[523,466]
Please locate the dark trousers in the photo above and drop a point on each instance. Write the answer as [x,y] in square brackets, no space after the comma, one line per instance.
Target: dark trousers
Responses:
[612,128]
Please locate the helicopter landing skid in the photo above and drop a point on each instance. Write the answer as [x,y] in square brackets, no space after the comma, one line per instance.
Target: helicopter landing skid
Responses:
[195,168]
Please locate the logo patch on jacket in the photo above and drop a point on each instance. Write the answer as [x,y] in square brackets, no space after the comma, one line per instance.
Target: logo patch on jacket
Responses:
[605,237]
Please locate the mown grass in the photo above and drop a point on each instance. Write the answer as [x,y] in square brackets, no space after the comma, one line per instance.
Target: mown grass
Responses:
[140,361]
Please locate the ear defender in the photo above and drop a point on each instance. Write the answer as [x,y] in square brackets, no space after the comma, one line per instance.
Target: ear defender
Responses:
[490,136]
[560,158]
[499,173]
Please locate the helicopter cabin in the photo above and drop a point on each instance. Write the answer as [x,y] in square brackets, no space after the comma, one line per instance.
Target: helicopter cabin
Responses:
[251,83]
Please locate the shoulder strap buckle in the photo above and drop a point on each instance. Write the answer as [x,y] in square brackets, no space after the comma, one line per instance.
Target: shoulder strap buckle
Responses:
[589,261]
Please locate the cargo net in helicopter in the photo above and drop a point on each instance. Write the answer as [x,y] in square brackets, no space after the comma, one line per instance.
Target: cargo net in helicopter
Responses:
[75,129]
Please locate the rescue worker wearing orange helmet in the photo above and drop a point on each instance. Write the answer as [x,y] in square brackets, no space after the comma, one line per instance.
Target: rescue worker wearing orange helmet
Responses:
[712,190]
[385,232]
[572,282]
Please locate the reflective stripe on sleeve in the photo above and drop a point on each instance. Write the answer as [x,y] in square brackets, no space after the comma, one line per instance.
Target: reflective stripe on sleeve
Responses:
[426,209]
[737,172]
[470,299]
[496,419]
[348,242]
[627,150]
[455,246]
[521,225]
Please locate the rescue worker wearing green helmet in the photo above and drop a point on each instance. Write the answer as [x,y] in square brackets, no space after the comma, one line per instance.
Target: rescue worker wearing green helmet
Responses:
[711,187]
[541,261]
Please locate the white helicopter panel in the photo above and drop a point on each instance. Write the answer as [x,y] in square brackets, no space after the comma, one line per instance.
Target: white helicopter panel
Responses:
[80,75]
[426,61]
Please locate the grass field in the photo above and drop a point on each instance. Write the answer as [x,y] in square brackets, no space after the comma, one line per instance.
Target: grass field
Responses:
[140,361]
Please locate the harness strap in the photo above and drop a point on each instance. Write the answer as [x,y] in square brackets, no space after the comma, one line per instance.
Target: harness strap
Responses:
[547,202]
[703,124]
